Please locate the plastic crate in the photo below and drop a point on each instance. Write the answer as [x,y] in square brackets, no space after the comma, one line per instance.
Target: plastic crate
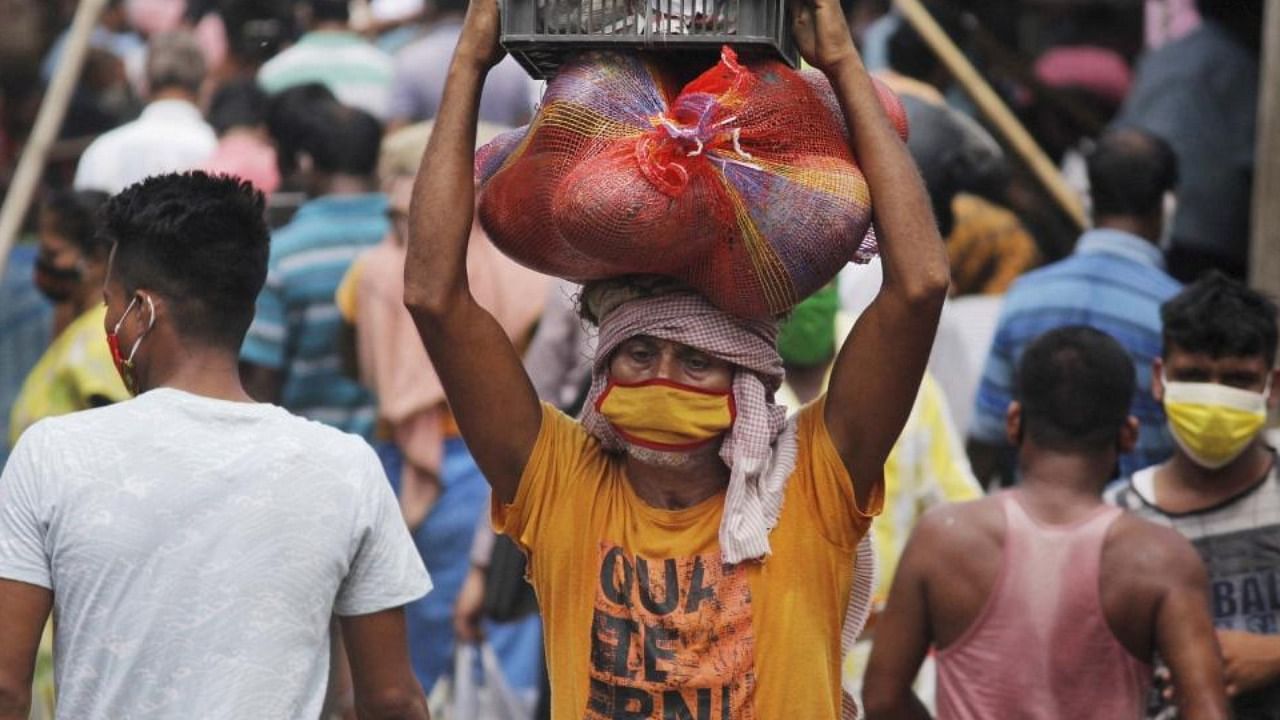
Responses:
[540,33]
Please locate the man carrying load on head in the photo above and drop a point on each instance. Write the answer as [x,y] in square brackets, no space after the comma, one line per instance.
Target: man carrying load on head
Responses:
[694,552]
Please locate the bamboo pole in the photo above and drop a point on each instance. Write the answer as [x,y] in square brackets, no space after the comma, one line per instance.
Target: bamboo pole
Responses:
[991,106]
[1264,250]
[48,122]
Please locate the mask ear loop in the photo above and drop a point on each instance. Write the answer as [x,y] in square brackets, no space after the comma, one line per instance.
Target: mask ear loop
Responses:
[127,310]
[134,349]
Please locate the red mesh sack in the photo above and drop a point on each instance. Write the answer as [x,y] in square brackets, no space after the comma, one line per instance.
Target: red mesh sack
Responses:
[741,183]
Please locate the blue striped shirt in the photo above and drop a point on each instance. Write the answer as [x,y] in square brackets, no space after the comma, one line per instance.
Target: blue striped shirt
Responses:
[1114,282]
[296,327]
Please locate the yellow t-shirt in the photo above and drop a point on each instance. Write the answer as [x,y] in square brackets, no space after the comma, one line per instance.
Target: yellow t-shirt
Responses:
[76,367]
[641,617]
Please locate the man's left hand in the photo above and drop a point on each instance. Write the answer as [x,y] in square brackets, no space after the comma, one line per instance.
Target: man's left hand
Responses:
[1251,661]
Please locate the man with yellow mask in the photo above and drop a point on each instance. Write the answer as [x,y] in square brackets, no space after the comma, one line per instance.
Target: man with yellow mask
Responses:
[1217,380]
[696,553]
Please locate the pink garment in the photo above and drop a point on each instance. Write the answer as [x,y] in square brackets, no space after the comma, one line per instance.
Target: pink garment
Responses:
[1098,70]
[152,17]
[393,362]
[1041,648]
[246,156]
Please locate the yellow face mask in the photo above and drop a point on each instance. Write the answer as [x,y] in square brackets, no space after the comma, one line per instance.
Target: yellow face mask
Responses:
[665,415]
[1213,423]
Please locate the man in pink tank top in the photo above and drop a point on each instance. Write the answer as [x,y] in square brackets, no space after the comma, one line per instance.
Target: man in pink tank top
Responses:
[1042,602]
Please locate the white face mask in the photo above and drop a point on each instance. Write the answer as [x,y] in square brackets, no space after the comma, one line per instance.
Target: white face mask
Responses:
[1214,423]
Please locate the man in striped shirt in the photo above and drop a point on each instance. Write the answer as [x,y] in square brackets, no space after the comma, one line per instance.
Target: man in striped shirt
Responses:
[1114,282]
[292,354]
[358,73]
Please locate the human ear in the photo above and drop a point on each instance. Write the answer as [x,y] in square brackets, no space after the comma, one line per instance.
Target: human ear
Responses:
[1013,423]
[1128,438]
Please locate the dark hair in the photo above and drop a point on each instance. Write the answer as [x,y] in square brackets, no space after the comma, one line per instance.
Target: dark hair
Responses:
[1220,317]
[1129,172]
[910,55]
[199,241]
[330,10]
[339,139]
[1075,385]
[74,215]
[287,113]
[239,103]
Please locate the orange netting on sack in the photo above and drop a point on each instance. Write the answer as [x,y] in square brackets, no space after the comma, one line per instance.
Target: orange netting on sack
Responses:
[741,184]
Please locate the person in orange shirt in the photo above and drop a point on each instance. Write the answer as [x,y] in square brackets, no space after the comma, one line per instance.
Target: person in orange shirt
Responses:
[695,552]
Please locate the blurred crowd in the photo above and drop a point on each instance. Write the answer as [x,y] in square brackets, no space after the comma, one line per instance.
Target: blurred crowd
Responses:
[326,106]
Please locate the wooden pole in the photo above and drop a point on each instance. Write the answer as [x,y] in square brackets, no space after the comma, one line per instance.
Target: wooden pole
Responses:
[993,108]
[1264,246]
[48,122]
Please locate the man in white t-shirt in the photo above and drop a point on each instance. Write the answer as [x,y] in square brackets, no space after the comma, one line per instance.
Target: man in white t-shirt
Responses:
[195,544]
[169,136]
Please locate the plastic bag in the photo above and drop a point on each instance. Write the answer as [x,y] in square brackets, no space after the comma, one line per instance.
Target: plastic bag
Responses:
[467,695]
[742,183]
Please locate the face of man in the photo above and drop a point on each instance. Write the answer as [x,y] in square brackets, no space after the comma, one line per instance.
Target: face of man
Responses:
[644,358]
[60,266]
[1215,406]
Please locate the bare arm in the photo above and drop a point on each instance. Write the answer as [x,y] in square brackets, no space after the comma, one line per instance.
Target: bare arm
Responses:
[878,370]
[24,608]
[487,388]
[385,686]
[902,638]
[1185,637]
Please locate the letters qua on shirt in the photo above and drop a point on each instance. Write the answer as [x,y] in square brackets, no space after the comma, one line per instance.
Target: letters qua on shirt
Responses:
[671,639]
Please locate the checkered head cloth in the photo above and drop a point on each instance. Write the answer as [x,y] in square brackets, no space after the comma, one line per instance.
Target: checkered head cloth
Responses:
[760,447]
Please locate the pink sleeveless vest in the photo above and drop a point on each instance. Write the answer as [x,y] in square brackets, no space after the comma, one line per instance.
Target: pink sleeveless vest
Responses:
[1041,648]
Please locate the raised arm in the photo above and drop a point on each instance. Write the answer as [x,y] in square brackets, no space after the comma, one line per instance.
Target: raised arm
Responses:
[486,386]
[878,370]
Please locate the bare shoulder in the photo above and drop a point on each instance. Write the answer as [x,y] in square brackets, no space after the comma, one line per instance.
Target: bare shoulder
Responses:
[1140,549]
[958,530]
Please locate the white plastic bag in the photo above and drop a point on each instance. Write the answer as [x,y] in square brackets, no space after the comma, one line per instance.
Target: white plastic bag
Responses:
[467,695]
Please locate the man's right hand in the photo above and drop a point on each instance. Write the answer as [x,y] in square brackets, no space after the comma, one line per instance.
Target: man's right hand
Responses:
[480,32]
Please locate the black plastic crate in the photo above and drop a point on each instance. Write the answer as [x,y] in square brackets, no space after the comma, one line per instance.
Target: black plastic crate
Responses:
[540,33]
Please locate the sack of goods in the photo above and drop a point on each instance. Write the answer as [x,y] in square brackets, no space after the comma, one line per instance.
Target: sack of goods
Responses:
[740,184]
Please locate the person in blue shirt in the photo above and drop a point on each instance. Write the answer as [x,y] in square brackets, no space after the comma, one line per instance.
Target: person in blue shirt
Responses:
[292,354]
[1115,281]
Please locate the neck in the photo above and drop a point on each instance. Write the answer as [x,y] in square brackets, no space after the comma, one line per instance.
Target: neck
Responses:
[212,373]
[1223,482]
[676,488]
[173,93]
[331,26]
[1130,224]
[1061,483]
[344,184]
